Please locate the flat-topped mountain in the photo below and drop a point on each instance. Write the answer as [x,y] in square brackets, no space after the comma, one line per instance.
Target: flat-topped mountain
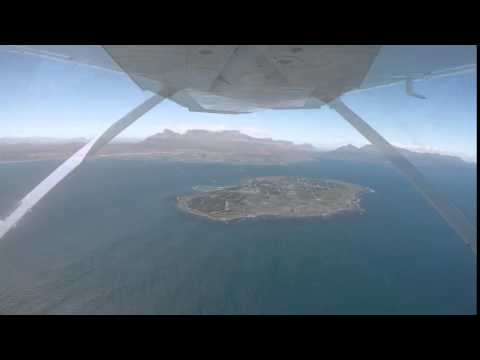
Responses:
[217,139]
[228,146]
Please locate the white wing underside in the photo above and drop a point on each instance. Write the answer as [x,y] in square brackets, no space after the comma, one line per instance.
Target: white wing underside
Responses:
[242,79]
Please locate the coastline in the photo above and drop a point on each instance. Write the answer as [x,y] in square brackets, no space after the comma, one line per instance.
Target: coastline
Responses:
[181,204]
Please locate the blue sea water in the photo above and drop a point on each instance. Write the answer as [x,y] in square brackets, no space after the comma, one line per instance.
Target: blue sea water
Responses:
[110,240]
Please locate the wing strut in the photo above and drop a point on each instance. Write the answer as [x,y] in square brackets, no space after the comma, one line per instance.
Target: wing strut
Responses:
[42,189]
[449,213]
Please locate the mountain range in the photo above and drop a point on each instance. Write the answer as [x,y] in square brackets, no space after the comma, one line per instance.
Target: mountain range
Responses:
[370,153]
[228,146]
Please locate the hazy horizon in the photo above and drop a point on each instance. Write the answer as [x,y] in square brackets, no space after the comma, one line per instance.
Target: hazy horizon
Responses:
[45,98]
[321,147]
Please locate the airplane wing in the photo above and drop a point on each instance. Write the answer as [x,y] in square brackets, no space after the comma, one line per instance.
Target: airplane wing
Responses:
[89,55]
[241,79]
[396,64]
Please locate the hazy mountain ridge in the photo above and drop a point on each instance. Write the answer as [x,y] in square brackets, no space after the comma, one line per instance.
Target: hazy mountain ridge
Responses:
[198,137]
[371,154]
[40,140]
[228,146]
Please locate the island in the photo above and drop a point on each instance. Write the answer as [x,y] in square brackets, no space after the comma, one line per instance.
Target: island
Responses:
[275,196]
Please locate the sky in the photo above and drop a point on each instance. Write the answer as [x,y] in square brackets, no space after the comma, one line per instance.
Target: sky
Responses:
[44,98]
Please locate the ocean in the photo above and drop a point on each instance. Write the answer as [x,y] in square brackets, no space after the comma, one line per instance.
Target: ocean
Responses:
[110,240]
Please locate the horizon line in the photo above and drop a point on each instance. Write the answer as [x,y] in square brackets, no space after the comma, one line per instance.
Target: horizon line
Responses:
[471,158]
